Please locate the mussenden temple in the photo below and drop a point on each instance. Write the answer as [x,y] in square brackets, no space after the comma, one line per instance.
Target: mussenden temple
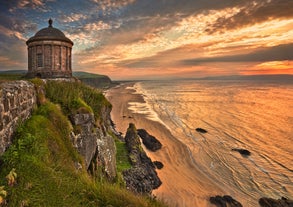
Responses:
[49,54]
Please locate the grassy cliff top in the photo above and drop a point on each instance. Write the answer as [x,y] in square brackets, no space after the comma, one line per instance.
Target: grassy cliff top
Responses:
[81,74]
[17,74]
[92,79]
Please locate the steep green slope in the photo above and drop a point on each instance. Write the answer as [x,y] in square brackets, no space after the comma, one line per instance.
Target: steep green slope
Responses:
[81,74]
[41,166]
[95,80]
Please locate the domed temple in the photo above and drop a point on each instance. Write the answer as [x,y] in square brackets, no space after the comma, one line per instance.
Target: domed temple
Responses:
[49,54]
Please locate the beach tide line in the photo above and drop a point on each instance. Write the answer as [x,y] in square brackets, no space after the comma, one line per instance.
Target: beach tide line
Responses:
[145,109]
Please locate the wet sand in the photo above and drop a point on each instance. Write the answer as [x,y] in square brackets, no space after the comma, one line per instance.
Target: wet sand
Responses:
[183,184]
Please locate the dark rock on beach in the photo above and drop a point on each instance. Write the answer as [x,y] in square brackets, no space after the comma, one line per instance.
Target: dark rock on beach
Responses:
[141,180]
[201,130]
[225,201]
[243,152]
[141,177]
[270,202]
[159,165]
[149,141]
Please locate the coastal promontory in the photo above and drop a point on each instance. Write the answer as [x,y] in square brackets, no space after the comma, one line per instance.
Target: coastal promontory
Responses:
[64,152]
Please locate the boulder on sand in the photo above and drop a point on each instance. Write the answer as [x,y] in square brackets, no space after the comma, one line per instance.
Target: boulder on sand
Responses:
[159,165]
[270,202]
[201,130]
[149,141]
[225,201]
[243,152]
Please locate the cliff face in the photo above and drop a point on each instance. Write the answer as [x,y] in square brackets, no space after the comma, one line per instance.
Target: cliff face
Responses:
[105,156]
[17,100]
[85,139]
[94,144]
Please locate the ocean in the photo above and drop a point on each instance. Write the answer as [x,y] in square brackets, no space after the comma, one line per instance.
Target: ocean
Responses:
[243,114]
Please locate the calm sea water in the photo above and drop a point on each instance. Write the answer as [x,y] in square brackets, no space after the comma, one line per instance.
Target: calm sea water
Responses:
[253,115]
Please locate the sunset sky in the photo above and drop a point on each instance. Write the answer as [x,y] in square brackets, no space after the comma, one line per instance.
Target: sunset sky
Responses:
[152,39]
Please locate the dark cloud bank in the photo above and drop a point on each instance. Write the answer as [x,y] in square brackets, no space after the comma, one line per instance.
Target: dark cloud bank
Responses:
[277,53]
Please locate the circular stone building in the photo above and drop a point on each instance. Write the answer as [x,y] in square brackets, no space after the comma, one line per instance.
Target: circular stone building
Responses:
[49,54]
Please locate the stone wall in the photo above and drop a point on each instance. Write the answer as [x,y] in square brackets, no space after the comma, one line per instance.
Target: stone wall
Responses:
[17,100]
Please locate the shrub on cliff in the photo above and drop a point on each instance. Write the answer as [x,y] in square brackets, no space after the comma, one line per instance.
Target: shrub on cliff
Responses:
[73,96]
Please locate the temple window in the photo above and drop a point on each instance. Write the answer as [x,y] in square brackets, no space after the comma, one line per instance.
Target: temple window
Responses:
[40,60]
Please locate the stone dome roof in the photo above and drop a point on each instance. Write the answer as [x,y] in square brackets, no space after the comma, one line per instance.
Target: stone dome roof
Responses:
[49,33]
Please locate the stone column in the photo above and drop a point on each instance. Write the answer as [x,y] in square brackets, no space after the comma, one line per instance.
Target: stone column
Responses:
[53,56]
[29,50]
[66,61]
[70,58]
[34,55]
[60,57]
[43,54]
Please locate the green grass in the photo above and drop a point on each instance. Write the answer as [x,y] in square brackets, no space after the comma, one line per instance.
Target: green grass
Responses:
[74,97]
[44,161]
[44,158]
[123,162]
[80,74]
[10,77]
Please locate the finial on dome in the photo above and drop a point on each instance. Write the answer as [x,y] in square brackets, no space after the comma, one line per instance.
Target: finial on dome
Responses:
[50,22]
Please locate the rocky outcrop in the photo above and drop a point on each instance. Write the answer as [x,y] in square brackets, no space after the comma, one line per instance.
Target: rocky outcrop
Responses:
[17,100]
[106,154]
[84,137]
[142,177]
[149,141]
[94,144]
[270,202]
[225,201]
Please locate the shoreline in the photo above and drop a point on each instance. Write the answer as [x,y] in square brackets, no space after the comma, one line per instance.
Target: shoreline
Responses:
[183,184]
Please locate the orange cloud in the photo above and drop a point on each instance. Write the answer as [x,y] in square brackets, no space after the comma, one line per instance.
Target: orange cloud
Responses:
[11,33]
[272,67]
[106,4]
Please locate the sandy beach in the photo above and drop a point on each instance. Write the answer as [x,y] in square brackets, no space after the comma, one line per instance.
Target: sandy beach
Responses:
[183,184]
